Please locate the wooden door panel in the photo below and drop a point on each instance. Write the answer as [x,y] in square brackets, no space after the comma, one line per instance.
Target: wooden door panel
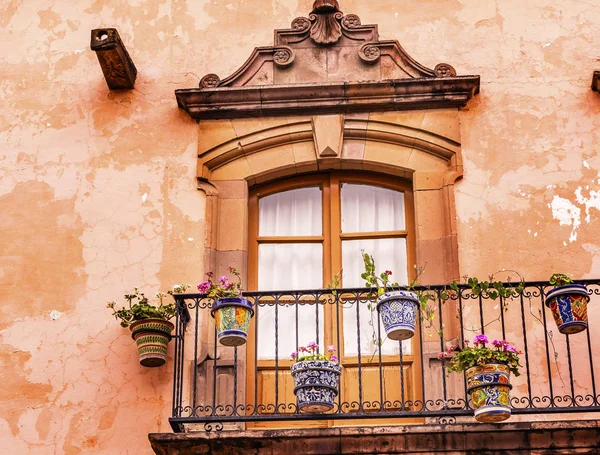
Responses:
[268,385]
[372,392]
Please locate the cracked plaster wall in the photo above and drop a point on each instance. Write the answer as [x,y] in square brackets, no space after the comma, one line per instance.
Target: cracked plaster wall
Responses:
[97,189]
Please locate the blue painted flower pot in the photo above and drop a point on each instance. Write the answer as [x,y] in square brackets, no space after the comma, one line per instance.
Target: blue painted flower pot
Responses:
[398,313]
[489,387]
[232,318]
[569,307]
[316,384]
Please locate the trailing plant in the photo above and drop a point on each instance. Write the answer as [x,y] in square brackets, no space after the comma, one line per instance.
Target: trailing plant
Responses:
[311,352]
[459,359]
[560,279]
[223,287]
[383,284]
[139,306]
[491,289]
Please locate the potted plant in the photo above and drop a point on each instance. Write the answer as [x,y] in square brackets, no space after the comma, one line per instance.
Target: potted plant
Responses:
[487,371]
[232,312]
[316,378]
[568,303]
[397,308]
[149,324]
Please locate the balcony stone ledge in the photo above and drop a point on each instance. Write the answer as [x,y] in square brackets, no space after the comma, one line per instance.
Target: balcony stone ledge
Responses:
[521,438]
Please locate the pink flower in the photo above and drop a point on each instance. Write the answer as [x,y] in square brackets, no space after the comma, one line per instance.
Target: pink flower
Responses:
[209,274]
[312,345]
[224,279]
[444,355]
[481,339]
[333,358]
[510,348]
[294,355]
[331,348]
[302,349]
[203,287]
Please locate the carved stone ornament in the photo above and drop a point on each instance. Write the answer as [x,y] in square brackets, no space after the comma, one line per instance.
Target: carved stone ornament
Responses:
[210,81]
[308,69]
[350,21]
[444,70]
[283,56]
[326,16]
[369,52]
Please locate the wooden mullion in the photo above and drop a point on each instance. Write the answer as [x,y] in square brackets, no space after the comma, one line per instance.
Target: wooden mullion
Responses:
[352,361]
[373,235]
[291,239]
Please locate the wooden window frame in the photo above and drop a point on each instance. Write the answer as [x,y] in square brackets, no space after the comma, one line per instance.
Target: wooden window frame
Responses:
[331,239]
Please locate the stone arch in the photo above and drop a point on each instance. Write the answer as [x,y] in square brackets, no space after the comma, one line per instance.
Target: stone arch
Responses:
[421,146]
[285,147]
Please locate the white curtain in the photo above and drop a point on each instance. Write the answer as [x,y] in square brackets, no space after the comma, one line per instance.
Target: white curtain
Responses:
[371,209]
[291,213]
[389,254]
[289,266]
[368,208]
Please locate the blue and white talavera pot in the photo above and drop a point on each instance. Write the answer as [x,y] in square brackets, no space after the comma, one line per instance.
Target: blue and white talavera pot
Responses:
[316,384]
[398,313]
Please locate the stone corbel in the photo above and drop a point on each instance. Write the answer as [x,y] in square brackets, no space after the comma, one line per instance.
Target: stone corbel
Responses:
[117,66]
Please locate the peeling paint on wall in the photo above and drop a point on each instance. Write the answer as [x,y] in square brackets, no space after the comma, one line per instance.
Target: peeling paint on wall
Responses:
[567,213]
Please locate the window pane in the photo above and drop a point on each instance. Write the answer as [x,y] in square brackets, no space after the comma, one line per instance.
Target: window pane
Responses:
[288,266]
[291,213]
[389,254]
[368,208]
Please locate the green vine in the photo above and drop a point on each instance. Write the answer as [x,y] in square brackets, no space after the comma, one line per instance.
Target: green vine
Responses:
[139,306]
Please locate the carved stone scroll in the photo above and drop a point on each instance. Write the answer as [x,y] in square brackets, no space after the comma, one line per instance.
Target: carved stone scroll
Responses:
[210,81]
[369,52]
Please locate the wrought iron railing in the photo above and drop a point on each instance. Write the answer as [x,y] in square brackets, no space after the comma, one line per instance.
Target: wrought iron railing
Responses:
[214,385]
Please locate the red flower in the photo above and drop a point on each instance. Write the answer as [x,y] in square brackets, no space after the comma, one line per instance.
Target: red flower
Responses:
[388,272]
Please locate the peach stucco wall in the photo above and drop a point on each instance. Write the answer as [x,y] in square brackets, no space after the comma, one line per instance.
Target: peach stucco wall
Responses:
[98,190]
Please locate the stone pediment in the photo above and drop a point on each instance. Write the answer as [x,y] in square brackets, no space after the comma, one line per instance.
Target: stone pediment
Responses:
[327,62]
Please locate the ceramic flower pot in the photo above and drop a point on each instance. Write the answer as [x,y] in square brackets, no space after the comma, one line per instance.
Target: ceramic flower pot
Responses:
[569,307]
[152,338]
[489,387]
[316,384]
[232,317]
[398,313]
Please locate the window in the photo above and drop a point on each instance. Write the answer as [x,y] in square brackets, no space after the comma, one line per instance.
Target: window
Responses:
[302,232]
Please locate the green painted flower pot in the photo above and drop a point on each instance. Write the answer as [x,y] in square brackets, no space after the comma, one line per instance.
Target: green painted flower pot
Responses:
[152,338]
